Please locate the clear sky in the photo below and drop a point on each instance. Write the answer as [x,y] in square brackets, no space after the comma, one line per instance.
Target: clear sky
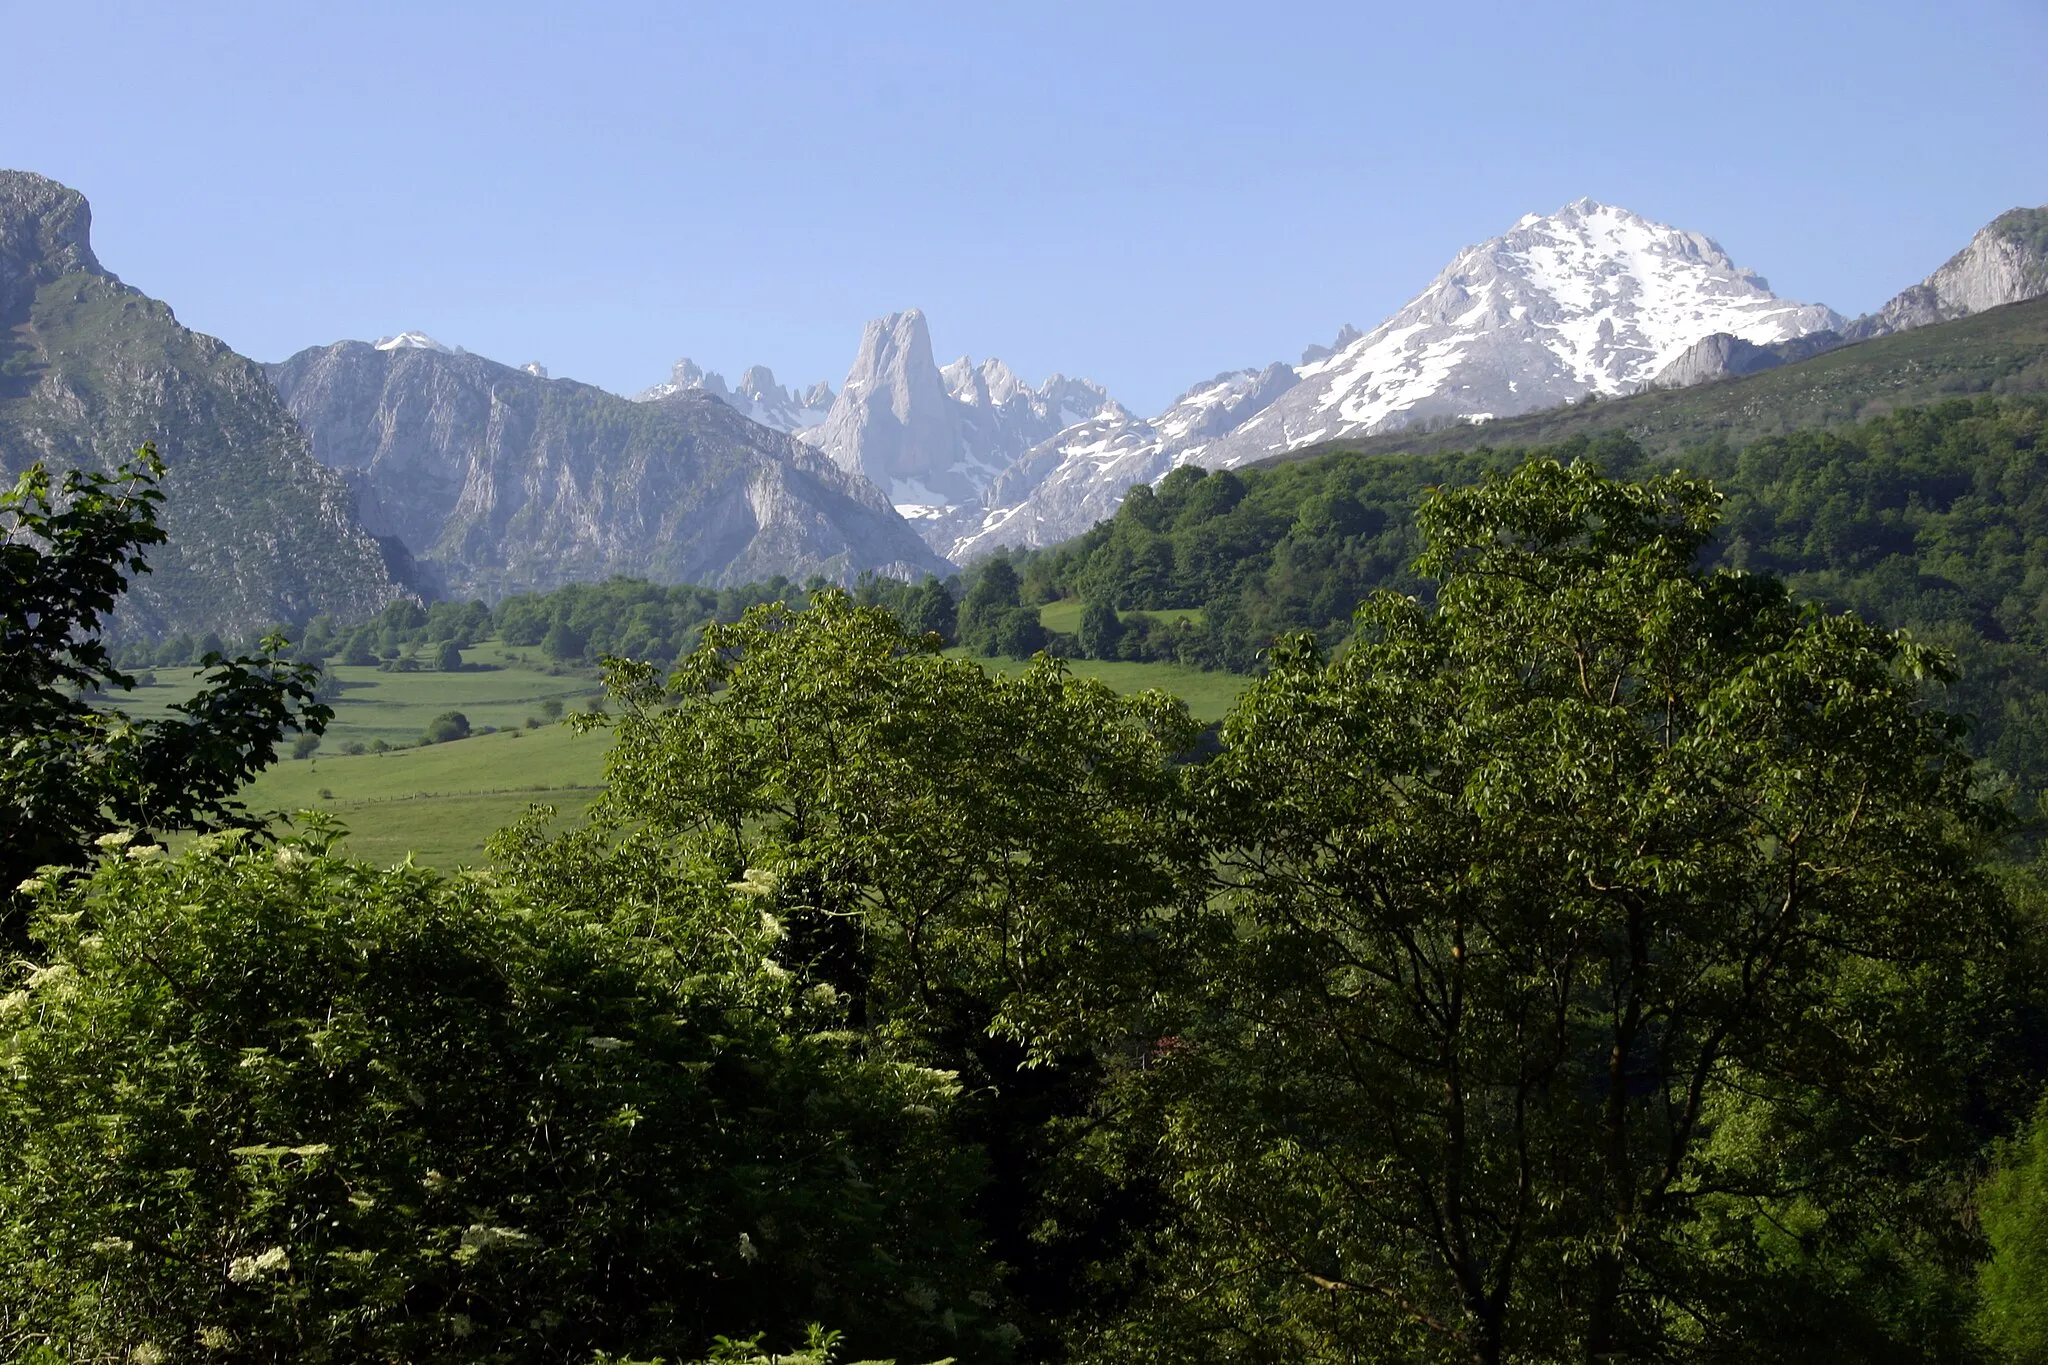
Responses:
[1141,193]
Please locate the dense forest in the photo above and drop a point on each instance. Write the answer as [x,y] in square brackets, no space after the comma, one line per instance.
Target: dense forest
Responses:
[1592,944]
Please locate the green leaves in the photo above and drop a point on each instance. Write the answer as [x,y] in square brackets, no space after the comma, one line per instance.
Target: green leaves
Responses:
[330,1111]
[1540,899]
[69,771]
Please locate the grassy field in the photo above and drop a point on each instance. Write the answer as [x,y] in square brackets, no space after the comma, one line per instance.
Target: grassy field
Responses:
[497,688]
[1065,616]
[440,802]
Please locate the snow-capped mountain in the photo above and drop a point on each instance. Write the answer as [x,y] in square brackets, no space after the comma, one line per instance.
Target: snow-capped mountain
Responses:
[936,439]
[414,341]
[1078,477]
[1590,299]
[758,397]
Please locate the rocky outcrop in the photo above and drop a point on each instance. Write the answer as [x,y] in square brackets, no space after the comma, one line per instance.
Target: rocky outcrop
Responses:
[1079,476]
[2006,262]
[1722,356]
[500,481]
[90,368]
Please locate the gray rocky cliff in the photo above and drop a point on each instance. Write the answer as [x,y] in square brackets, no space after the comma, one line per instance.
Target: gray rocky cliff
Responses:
[894,420]
[500,481]
[1723,356]
[2006,262]
[936,438]
[260,532]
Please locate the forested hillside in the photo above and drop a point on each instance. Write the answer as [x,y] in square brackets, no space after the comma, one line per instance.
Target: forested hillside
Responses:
[1931,519]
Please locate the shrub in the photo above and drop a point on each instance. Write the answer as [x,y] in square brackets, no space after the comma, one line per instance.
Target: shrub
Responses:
[449,725]
[309,1109]
[304,745]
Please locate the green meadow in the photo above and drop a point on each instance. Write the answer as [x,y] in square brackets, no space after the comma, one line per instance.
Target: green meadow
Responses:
[439,803]
[1065,616]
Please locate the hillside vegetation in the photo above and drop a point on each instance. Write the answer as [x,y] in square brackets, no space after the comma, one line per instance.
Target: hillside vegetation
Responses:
[1933,519]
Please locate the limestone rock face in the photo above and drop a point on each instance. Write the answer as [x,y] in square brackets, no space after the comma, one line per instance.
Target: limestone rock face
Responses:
[2006,262]
[1079,476]
[502,481]
[935,439]
[90,368]
[1722,356]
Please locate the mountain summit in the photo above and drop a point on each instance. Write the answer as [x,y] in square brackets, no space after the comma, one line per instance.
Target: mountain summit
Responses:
[937,438]
[1590,299]
[91,368]
[758,397]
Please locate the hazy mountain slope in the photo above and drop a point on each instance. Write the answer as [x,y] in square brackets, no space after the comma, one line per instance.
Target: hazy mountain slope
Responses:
[500,481]
[2002,351]
[90,368]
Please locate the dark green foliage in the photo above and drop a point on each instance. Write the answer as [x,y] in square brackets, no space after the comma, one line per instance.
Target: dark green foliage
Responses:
[448,726]
[1017,633]
[304,745]
[1101,629]
[264,1104]
[564,643]
[963,864]
[1262,552]
[1597,968]
[930,609]
[448,658]
[1933,520]
[70,771]
[993,592]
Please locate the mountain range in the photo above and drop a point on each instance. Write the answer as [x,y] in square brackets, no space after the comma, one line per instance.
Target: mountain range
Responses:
[354,472]
[349,475]
[1592,300]
[501,480]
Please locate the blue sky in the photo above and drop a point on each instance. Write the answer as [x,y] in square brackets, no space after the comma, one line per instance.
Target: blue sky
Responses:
[1141,193]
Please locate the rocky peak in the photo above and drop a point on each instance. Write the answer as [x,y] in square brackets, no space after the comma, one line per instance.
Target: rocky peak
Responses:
[895,419]
[758,397]
[1345,336]
[2006,262]
[45,233]
[414,341]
